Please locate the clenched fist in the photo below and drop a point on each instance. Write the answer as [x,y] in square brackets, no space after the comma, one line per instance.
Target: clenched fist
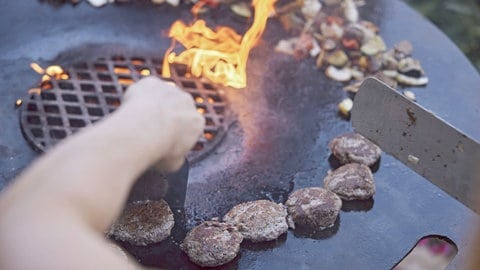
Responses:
[171,115]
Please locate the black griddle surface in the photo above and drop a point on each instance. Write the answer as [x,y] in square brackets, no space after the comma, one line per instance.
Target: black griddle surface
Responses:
[285,118]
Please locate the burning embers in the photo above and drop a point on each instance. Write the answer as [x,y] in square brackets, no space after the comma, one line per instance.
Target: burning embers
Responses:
[67,100]
[220,55]
[52,72]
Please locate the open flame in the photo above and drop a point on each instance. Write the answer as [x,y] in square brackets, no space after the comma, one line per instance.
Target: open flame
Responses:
[220,55]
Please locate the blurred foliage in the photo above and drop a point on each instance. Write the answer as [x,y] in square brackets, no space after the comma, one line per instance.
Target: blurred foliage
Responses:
[459,19]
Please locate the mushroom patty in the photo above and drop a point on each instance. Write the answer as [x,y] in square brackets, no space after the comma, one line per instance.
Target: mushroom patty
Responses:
[212,243]
[143,223]
[354,148]
[351,182]
[259,221]
[313,207]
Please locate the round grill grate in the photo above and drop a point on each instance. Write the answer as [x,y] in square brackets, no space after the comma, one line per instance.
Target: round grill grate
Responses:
[94,89]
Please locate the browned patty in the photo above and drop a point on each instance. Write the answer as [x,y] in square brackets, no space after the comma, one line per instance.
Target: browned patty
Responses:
[143,223]
[212,243]
[313,208]
[351,182]
[354,148]
[259,221]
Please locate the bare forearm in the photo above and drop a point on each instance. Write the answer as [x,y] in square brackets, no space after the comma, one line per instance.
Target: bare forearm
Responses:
[94,170]
[75,189]
[60,206]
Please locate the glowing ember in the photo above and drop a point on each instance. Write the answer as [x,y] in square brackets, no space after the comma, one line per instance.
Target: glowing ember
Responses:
[145,72]
[201,110]
[125,81]
[37,68]
[137,62]
[50,72]
[219,55]
[45,78]
[209,136]
[121,70]
[54,71]
[18,103]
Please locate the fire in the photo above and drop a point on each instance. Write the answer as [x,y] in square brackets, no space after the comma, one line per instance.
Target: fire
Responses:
[50,72]
[220,55]
[197,8]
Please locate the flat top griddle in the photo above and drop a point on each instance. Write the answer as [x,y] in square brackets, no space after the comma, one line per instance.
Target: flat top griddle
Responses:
[285,118]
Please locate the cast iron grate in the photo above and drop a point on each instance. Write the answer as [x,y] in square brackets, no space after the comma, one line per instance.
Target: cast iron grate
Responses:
[94,89]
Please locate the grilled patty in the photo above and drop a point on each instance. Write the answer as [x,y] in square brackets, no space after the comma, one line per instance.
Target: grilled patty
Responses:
[143,223]
[258,221]
[314,207]
[354,148]
[351,182]
[212,243]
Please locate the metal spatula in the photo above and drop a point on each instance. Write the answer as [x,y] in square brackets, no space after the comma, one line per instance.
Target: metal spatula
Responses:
[425,143]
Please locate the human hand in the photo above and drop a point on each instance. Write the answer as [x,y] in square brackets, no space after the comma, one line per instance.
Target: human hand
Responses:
[180,123]
[70,195]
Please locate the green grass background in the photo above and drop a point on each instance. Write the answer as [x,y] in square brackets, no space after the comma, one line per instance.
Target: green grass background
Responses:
[458,19]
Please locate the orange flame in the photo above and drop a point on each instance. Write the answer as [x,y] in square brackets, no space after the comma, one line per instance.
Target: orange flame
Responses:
[220,55]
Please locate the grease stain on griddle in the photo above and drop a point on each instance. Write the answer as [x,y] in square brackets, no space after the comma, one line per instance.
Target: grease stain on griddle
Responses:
[320,234]
[263,246]
[357,205]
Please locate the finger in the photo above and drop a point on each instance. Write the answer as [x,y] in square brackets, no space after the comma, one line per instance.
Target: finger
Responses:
[198,125]
[150,87]
[193,129]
